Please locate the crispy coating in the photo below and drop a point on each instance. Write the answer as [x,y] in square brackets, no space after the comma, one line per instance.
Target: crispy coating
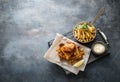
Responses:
[68,47]
[70,52]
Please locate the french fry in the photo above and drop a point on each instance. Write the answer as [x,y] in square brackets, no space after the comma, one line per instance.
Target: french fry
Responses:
[85,34]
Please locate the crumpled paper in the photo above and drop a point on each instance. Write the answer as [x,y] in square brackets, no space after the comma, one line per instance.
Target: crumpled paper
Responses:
[52,56]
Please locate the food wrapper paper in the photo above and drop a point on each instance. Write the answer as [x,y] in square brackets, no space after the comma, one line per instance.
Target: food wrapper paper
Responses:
[52,56]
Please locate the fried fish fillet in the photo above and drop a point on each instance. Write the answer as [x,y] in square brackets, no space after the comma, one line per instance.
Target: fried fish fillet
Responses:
[70,52]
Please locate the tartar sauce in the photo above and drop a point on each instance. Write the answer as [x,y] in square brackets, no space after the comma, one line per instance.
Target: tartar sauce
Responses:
[99,48]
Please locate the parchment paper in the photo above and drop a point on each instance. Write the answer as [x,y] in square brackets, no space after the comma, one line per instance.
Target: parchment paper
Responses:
[52,56]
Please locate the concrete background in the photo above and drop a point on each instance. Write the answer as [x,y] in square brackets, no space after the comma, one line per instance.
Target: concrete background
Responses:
[27,25]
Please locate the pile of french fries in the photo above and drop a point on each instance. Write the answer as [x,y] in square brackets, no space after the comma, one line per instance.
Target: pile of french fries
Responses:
[85,35]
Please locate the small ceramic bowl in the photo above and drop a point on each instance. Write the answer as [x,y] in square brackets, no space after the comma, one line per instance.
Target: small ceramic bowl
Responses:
[99,48]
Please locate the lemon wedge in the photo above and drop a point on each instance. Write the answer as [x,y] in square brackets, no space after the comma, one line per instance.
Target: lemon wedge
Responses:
[79,63]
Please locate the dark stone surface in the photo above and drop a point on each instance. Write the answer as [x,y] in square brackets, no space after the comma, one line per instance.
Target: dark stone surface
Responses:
[27,25]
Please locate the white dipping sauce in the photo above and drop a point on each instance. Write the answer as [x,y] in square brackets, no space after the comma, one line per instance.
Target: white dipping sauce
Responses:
[99,48]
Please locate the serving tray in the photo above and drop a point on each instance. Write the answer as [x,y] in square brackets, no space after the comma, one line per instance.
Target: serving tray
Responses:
[92,57]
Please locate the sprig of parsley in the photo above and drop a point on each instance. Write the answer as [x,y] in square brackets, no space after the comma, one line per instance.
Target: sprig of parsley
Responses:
[84,26]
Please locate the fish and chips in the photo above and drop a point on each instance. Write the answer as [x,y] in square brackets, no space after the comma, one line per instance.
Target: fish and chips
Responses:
[70,52]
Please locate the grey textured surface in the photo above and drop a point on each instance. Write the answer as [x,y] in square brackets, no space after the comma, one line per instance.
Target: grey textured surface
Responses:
[27,25]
